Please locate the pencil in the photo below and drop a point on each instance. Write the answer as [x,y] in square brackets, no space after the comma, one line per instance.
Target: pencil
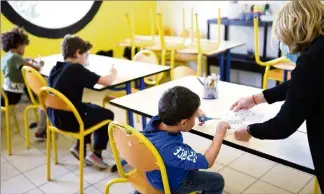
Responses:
[200,81]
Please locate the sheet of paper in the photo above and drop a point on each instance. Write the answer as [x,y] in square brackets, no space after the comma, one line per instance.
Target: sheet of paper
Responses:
[243,117]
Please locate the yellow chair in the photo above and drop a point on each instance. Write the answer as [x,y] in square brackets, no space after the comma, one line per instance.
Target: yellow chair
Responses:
[316,186]
[131,145]
[145,56]
[34,82]
[182,71]
[51,98]
[281,64]
[135,43]
[164,47]
[189,53]
[6,108]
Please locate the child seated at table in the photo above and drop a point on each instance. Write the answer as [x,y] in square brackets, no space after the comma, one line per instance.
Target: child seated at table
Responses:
[70,78]
[178,109]
[13,43]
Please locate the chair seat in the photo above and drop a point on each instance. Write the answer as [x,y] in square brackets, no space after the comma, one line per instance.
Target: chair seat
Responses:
[285,66]
[140,183]
[277,74]
[117,94]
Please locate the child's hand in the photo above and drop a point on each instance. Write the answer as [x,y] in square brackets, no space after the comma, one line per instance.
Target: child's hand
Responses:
[41,63]
[201,117]
[222,128]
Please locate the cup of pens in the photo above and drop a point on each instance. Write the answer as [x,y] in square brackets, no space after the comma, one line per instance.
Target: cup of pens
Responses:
[210,90]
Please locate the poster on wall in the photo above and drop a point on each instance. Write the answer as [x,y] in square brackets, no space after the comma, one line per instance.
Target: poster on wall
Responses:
[50,19]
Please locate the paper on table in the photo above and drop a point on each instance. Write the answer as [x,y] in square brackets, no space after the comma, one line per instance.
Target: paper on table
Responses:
[243,117]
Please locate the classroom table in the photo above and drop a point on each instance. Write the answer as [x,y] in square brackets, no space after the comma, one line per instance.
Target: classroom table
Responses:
[209,48]
[127,71]
[293,151]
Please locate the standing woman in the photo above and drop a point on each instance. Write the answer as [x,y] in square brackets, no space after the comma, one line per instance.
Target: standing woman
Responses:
[300,25]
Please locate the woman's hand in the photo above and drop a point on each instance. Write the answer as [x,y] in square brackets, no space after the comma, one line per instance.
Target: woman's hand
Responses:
[242,134]
[248,102]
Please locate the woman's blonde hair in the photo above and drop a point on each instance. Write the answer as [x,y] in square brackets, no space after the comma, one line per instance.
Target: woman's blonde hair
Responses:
[298,23]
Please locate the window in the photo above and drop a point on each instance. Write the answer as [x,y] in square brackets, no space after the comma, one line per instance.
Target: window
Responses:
[50,19]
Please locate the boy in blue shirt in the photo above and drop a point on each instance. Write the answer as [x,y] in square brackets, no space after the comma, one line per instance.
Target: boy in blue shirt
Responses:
[178,109]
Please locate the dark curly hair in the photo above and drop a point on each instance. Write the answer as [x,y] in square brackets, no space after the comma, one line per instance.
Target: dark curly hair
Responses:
[13,39]
[178,103]
[73,43]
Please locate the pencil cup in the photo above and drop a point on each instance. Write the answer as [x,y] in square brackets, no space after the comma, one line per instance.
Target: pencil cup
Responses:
[210,92]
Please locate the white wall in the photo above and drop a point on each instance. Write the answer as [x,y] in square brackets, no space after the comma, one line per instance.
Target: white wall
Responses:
[172,16]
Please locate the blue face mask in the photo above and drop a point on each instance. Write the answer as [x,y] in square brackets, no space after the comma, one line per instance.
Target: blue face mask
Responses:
[285,52]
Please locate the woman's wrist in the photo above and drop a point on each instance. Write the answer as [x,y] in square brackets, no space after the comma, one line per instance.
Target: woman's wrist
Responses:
[258,98]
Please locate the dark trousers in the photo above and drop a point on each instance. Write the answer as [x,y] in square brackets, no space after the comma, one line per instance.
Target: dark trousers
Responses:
[94,114]
[13,98]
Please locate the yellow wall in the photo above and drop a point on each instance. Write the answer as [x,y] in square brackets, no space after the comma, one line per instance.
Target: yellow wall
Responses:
[107,28]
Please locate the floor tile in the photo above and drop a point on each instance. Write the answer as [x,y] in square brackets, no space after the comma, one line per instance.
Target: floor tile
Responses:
[8,171]
[309,188]
[122,188]
[94,175]
[261,187]
[3,160]
[228,154]
[69,162]
[236,182]
[252,165]
[34,157]
[215,168]
[16,185]
[68,183]
[35,191]
[38,175]
[293,180]
[91,190]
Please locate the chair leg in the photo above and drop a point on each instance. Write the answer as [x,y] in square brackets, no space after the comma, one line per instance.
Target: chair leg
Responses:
[14,115]
[316,186]
[117,180]
[48,154]
[163,60]
[137,118]
[199,66]
[26,128]
[172,63]
[54,147]
[36,116]
[265,78]
[81,160]
[8,132]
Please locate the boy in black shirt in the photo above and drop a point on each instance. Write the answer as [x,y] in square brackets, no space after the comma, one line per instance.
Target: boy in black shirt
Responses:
[70,78]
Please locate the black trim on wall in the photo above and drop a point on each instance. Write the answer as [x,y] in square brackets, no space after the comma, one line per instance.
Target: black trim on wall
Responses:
[39,31]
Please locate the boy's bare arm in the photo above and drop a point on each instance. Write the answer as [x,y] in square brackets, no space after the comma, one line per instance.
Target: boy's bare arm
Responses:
[108,79]
[31,65]
[213,150]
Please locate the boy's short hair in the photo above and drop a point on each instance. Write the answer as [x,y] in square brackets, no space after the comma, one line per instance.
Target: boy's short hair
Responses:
[177,103]
[13,39]
[71,44]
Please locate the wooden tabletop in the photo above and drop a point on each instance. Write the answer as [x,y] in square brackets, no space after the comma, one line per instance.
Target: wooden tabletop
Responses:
[186,46]
[293,151]
[101,65]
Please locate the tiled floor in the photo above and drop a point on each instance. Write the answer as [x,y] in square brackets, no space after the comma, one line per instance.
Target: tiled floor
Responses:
[24,171]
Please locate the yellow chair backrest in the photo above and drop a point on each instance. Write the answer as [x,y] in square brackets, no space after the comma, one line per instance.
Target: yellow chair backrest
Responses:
[51,98]
[131,145]
[34,81]
[182,71]
[256,48]
[146,56]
